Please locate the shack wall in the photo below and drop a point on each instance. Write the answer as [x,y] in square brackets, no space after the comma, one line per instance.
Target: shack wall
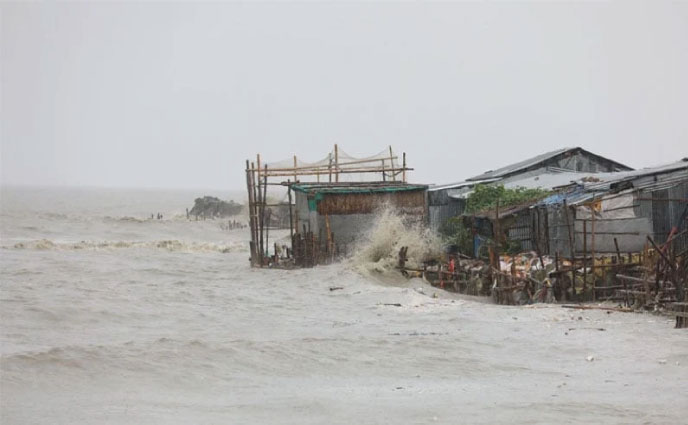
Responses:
[304,216]
[653,212]
[440,214]
[521,229]
[442,207]
[351,216]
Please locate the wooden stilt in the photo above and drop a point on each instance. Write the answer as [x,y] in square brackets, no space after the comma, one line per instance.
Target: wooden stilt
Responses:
[336,162]
[572,250]
[403,169]
[391,159]
[251,220]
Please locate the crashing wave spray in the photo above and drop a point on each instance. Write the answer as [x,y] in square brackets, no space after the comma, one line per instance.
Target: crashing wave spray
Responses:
[379,252]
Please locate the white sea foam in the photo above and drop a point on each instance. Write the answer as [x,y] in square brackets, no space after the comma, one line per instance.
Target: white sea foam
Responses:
[122,329]
[167,245]
[379,251]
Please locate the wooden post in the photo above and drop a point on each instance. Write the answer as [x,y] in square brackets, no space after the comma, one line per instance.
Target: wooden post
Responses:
[296,179]
[336,163]
[262,220]
[250,212]
[497,235]
[384,177]
[391,159]
[556,268]
[329,236]
[594,278]
[572,250]
[403,169]
[291,214]
[329,165]
[585,255]
[267,232]
[547,246]
[334,247]
[256,199]
[618,254]
[258,167]
[261,212]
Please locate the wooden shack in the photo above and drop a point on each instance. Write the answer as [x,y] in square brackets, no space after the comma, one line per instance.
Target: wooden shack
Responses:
[344,212]
[326,215]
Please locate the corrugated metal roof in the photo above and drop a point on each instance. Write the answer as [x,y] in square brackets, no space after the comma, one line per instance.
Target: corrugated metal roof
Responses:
[599,184]
[548,181]
[603,181]
[510,169]
[519,165]
[458,185]
[323,188]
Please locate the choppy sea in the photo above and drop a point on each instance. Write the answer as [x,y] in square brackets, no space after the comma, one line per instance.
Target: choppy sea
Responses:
[110,317]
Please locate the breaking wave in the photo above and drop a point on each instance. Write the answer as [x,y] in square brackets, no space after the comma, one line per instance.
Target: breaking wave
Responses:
[167,245]
[379,252]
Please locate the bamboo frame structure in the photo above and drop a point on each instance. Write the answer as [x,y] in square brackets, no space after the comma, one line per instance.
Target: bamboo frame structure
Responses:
[259,175]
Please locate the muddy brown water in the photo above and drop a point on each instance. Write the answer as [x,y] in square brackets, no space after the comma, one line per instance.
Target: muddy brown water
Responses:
[107,317]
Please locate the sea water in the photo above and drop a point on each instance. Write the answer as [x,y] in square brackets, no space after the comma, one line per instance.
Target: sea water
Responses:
[111,317]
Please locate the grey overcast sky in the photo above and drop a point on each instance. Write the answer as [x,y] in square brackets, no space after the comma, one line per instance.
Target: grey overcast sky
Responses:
[180,94]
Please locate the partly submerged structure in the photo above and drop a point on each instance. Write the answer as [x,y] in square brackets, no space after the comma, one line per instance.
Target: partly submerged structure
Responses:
[545,171]
[342,213]
[331,202]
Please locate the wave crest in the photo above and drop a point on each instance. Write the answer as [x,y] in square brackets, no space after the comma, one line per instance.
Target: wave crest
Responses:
[167,245]
[379,253]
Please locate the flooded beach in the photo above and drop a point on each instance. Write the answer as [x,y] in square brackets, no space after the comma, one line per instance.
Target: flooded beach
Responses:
[109,317]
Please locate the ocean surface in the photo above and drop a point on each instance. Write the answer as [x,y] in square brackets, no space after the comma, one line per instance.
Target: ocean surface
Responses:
[109,317]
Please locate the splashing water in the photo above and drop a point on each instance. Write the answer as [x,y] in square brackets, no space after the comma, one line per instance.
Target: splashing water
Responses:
[379,252]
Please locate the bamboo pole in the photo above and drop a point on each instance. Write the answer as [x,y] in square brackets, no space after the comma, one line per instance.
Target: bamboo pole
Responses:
[497,235]
[618,254]
[585,256]
[250,214]
[403,169]
[324,167]
[295,168]
[572,250]
[291,215]
[267,234]
[258,166]
[256,199]
[336,162]
[317,171]
[594,277]
[262,222]
[261,212]
[391,159]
